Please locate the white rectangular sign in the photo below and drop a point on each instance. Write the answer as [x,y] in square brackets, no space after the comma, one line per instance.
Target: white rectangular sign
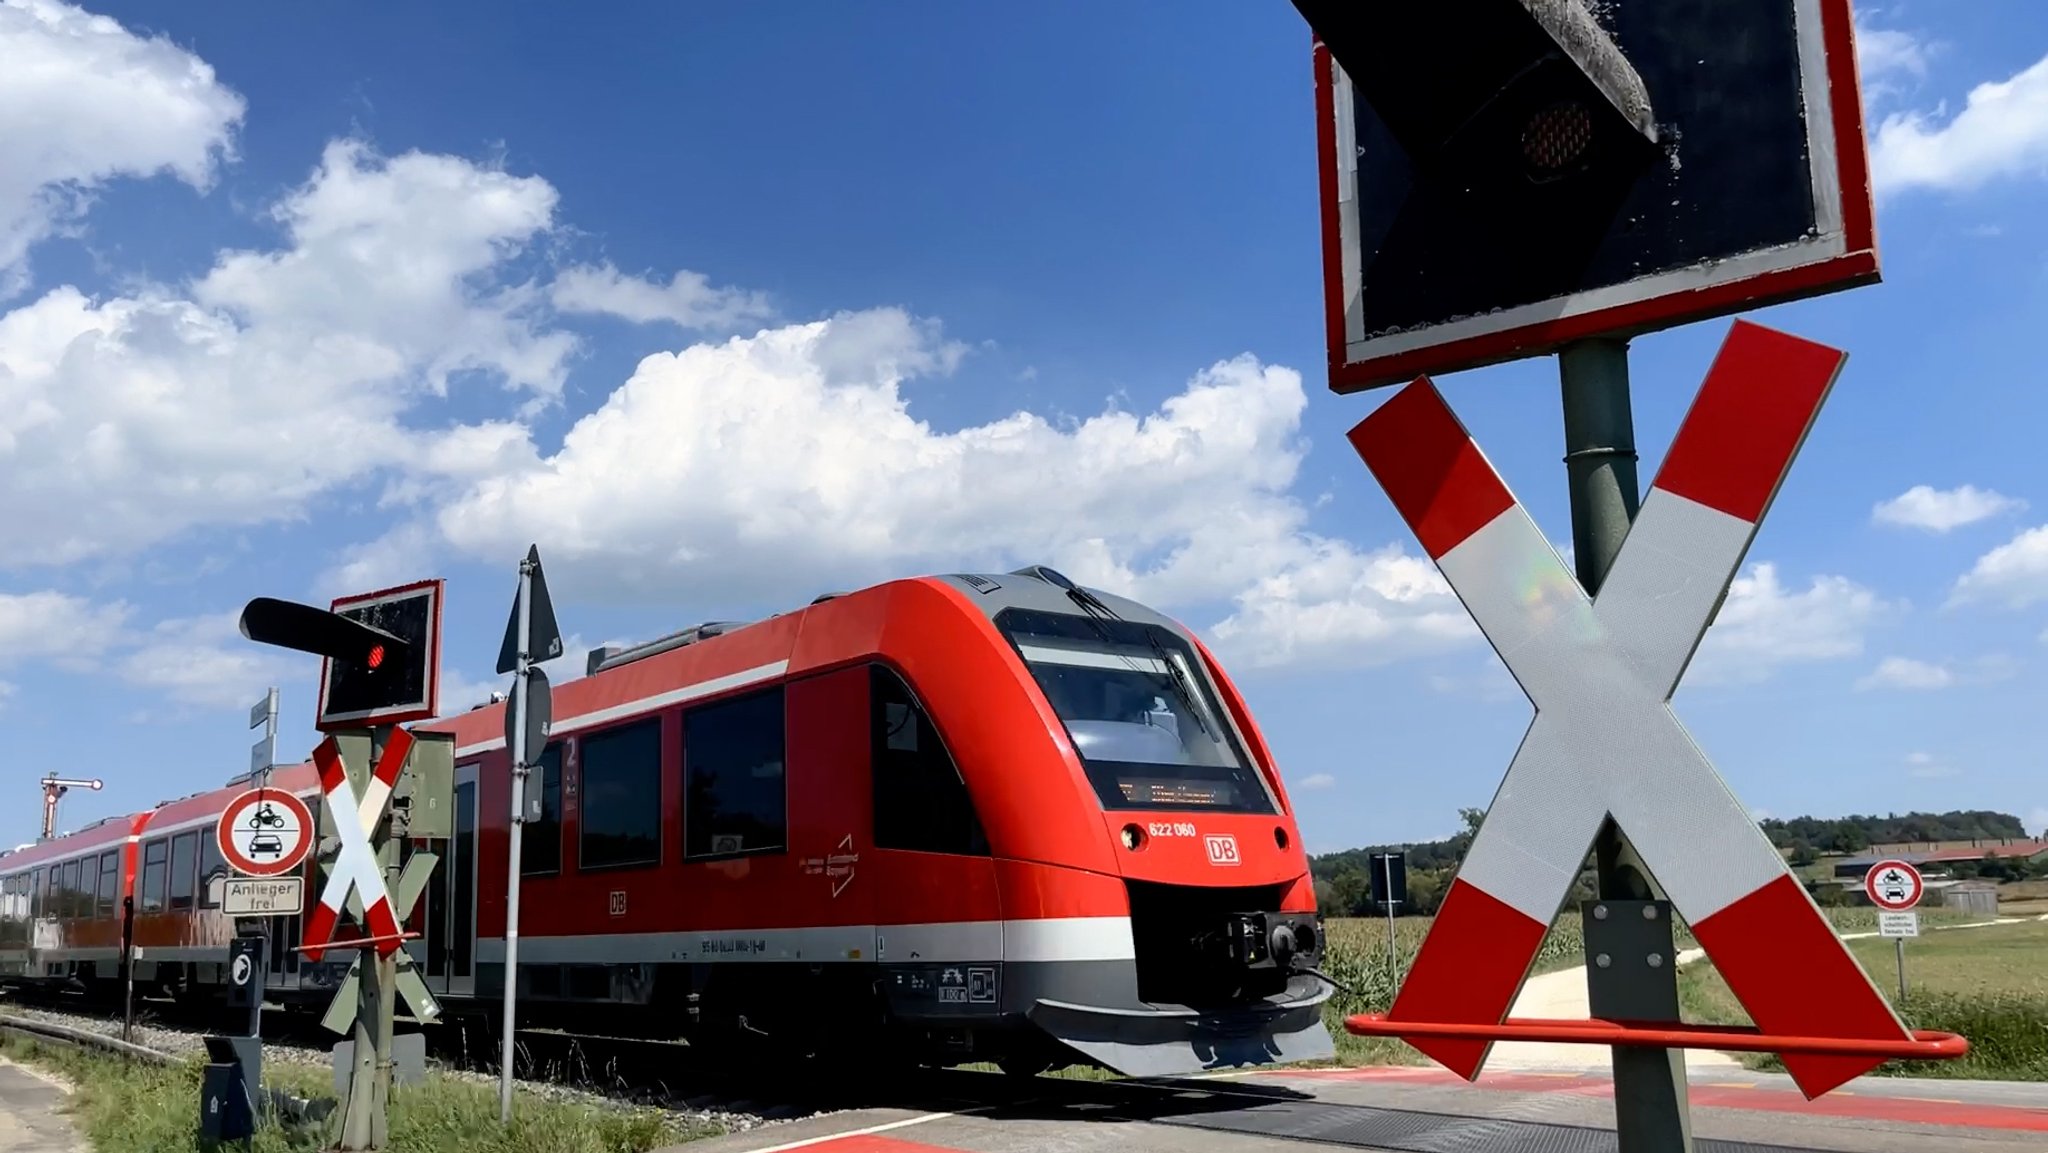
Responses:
[1906,924]
[263,896]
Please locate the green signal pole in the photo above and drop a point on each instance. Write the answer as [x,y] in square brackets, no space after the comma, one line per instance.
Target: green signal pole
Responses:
[1650,1100]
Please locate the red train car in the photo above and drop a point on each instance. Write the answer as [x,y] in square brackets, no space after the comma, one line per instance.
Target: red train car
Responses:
[996,816]
[973,816]
[61,904]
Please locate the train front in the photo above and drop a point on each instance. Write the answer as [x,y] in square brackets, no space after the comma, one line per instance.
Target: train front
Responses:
[1220,967]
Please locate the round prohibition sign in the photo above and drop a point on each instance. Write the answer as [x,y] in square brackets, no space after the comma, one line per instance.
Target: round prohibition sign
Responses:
[1893,885]
[265,832]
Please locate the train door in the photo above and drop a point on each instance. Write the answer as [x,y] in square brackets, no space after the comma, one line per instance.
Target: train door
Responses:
[446,949]
[936,903]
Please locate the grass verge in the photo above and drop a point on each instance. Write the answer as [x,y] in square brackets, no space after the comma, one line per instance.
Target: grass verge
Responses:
[1987,984]
[123,1107]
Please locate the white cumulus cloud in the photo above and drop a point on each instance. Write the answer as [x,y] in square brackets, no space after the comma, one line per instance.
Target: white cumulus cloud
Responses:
[2001,131]
[1907,673]
[206,661]
[66,629]
[2015,574]
[279,375]
[688,300]
[775,466]
[1940,510]
[1765,625]
[1883,55]
[83,101]
[1316,781]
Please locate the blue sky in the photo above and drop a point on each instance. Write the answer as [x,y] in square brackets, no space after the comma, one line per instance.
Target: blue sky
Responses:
[729,308]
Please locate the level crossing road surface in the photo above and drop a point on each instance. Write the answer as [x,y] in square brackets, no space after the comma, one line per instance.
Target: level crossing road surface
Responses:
[31,1120]
[1424,1110]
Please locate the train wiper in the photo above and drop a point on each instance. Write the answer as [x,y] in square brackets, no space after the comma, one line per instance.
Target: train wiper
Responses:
[1175,681]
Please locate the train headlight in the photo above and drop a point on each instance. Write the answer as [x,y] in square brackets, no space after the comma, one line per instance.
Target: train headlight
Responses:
[1133,838]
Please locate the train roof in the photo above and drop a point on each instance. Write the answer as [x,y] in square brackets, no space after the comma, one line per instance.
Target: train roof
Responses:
[93,838]
[624,680]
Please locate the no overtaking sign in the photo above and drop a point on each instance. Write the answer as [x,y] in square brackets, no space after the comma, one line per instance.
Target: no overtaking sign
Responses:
[1893,885]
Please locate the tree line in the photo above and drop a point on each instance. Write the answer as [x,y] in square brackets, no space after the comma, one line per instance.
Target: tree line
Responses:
[1344,879]
[1853,834]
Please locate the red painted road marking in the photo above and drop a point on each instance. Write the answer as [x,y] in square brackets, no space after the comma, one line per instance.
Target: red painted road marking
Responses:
[875,1143]
[1910,1110]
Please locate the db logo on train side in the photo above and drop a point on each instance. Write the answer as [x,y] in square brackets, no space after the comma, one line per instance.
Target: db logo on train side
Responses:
[1222,849]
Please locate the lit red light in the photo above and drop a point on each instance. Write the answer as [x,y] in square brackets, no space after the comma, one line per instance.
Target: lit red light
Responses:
[376,655]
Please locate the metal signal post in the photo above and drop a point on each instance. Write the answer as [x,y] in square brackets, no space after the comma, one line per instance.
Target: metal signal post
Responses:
[1651,1107]
[531,630]
[54,788]
[524,623]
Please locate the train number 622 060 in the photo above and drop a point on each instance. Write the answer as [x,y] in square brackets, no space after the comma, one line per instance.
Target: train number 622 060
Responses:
[1173,829]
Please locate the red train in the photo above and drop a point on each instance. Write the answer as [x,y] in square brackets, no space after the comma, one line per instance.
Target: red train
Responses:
[983,816]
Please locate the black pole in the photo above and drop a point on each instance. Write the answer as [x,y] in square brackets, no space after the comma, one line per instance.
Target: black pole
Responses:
[128,969]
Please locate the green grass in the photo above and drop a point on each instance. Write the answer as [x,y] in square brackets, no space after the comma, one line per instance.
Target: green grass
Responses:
[123,1107]
[1987,984]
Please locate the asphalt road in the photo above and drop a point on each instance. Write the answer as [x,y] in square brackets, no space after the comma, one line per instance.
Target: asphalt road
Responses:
[1425,1111]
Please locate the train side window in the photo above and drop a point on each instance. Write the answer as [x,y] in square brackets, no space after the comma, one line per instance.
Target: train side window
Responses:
[734,795]
[155,876]
[108,895]
[540,843]
[184,869]
[619,812]
[211,864]
[921,802]
[70,905]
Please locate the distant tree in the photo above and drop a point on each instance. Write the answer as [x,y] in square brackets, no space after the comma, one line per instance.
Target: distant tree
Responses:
[1803,853]
[1847,836]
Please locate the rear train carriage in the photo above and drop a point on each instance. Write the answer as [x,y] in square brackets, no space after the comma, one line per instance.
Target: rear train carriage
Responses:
[61,905]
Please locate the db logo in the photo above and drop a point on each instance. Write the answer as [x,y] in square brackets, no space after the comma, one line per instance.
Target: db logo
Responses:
[1222,849]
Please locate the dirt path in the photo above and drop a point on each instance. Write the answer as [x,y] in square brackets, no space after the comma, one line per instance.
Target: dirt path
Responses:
[1563,994]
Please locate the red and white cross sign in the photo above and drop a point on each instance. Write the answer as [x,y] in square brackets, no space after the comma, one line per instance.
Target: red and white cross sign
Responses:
[355,866]
[1601,672]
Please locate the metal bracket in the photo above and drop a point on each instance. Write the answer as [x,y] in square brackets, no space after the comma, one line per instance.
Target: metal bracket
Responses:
[1631,960]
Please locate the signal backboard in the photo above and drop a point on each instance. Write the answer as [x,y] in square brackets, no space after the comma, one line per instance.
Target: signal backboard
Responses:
[1757,191]
[397,687]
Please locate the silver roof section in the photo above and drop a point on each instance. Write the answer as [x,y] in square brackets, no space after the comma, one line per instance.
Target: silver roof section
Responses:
[1035,586]
[611,658]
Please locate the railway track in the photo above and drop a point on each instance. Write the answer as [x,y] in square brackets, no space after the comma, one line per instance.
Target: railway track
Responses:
[734,1095]
[597,1070]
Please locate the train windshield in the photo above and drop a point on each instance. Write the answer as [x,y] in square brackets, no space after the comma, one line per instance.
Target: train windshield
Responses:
[1139,712]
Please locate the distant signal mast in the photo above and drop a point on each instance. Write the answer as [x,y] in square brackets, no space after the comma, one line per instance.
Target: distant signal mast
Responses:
[54,788]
